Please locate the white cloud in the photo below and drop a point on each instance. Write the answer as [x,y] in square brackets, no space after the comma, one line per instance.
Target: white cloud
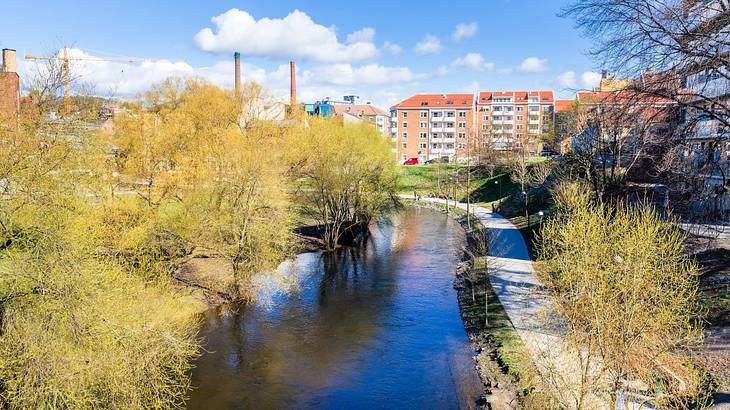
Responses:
[392,48]
[383,85]
[346,74]
[566,79]
[473,87]
[590,79]
[364,35]
[429,45]
[294,36]
[464,30]
[475,61]
[534,65]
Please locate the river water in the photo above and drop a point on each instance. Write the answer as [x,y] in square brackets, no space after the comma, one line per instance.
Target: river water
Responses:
[372,327]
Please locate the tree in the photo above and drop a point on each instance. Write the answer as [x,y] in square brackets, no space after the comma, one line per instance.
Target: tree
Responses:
[673,50]
[76,330]
[345,175]
[618,277]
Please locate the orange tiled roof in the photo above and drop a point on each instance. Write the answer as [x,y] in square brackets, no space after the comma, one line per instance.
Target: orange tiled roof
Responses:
[563,105]
[358,109]
[437,101]
[594,97]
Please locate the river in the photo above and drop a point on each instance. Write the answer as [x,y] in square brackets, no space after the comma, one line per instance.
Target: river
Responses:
[370,327]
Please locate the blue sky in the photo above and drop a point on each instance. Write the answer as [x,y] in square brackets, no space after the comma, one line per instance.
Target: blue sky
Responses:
[383,51]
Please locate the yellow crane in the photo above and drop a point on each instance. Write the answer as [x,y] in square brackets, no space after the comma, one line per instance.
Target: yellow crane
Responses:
[65,70]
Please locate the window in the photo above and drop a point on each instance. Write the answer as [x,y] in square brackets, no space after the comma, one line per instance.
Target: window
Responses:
[534,108]
[508,108]
[424,114]
[423,125]
[462,125]
[519,126]
[520,109]
[405,125]
[496,118]
[435,114]
[546,108]
[485,117]
[462,114]
[546,118]
[405,145]
[449,125]
[450,114]
[485,127]
[403,157]
[497,109]
[434,135]
[424,103]
[462,146]
[405,114]
[484,109]
[507,118]
[422,135]
[520,118]
[405,135]
[422,145]
[462,135]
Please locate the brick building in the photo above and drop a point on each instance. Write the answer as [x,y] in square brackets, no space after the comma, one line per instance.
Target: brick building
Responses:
[431,126]
[515,120]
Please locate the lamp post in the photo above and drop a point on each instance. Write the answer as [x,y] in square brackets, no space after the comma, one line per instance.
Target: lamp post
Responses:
[540,214]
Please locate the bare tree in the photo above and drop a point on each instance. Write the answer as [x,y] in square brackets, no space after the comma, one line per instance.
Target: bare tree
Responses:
[678,51]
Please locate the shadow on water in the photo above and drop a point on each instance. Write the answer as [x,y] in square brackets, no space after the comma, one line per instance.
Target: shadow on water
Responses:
[376,326]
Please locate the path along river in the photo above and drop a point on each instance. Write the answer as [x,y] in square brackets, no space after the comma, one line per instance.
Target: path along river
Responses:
[372,327]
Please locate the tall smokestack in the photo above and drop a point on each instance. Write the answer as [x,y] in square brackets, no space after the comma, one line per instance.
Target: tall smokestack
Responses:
[293,85]
[604,74]
[237,60]
[9,63]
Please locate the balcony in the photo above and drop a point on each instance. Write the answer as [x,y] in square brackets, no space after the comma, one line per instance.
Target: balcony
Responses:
[449,129]
[437,129]
[447,140]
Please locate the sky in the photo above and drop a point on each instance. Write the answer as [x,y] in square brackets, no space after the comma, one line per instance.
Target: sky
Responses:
[382,51]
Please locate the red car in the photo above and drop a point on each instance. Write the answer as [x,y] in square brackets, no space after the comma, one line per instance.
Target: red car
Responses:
[411,161]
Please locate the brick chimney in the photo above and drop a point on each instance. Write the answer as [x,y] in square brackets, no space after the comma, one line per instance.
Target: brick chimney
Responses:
[604,74]
[292,85]
[237,61]
[9,61]
[9,90]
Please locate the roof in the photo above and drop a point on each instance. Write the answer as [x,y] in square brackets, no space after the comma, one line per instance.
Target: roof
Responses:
[594,97]
[437,101]
[359,110]
[563,105]
[545,96]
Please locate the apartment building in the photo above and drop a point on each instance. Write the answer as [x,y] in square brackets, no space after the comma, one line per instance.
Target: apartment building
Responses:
[515,120]
[432,126]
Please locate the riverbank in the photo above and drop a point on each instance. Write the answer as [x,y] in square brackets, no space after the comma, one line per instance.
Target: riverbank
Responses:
[501,359]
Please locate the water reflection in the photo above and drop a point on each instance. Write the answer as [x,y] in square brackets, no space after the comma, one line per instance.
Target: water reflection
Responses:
[371,327]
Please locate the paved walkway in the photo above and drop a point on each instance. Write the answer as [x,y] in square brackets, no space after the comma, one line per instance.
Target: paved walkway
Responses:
[514,281]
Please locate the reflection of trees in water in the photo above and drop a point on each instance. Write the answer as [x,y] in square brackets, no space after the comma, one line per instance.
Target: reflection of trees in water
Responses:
[269,358]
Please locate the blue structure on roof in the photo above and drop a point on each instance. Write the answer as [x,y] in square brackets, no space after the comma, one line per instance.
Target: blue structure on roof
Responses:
[320,108]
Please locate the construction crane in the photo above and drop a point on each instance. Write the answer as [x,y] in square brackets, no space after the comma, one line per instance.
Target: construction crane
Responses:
[65,70]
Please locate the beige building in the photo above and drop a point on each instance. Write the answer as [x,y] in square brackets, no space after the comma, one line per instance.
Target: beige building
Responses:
[363,113]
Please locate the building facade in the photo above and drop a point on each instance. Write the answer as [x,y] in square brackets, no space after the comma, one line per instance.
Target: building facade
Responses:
[433,126]
[515,120]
